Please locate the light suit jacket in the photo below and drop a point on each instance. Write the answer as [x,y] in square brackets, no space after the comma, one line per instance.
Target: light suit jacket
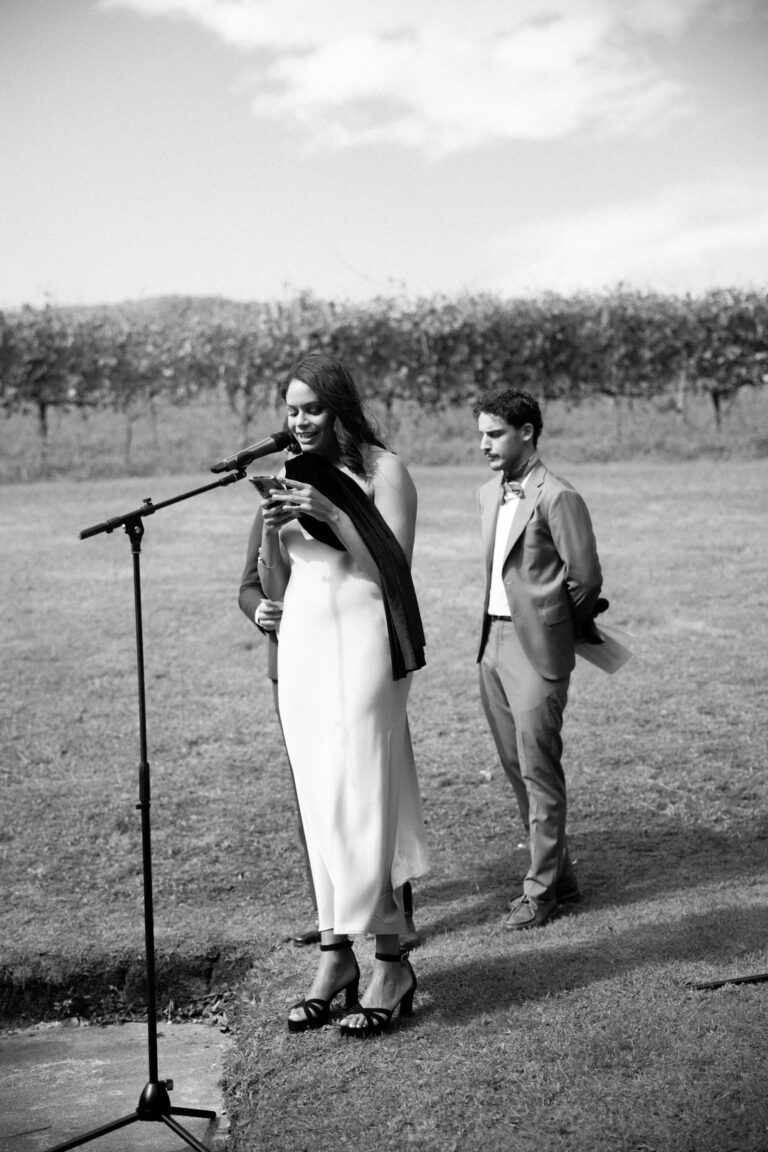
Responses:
[551,569]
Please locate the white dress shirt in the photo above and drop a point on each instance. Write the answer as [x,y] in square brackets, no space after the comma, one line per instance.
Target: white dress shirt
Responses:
[498,604]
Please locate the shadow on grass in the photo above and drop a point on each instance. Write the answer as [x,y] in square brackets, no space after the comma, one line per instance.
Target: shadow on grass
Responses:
[617,866]
[474,987]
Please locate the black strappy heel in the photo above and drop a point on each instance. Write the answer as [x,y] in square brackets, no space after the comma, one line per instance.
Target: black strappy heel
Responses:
[378,1020]
[316,1010]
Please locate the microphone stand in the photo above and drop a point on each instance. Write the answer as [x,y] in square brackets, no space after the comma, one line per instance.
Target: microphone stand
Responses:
[154,1102]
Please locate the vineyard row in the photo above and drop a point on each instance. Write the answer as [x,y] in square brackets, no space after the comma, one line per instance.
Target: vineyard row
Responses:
[438,352]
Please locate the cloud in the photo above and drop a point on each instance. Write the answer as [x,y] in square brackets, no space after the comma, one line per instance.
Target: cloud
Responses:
[687,239]
[444,76]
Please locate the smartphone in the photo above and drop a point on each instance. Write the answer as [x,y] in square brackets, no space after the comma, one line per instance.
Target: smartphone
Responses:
[266,485]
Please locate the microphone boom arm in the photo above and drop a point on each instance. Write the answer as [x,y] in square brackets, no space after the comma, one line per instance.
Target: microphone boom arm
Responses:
[148,508]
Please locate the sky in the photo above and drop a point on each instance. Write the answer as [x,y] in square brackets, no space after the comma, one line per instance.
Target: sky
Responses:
[256,149]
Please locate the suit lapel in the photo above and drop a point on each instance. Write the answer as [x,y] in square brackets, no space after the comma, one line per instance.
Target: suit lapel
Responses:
[489,504]
[490,500]
[525,506]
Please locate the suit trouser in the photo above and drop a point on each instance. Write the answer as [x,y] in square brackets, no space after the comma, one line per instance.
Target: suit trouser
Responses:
[525,715]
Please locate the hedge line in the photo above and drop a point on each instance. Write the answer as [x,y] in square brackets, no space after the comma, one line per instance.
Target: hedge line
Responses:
[440,351]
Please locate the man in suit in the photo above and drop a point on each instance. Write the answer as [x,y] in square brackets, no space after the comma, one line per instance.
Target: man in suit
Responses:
[266,614]
[543,581]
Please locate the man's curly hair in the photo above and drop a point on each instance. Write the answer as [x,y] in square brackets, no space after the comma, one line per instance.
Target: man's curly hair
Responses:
[517,408]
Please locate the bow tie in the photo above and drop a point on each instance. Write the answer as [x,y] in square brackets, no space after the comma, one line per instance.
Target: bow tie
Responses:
[511,488]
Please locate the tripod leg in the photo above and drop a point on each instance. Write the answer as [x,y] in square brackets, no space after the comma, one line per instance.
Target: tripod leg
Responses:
[205,1113]
[96,1133]
[182,1133]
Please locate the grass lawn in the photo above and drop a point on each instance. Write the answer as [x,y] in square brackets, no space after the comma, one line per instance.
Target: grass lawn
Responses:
[581,1037]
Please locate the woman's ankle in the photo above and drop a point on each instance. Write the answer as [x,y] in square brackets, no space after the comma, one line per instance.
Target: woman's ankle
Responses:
[388,946]
[330,941]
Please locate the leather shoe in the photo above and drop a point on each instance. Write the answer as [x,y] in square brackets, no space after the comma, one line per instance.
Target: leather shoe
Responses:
[526,912]
[311,936]
[566,892]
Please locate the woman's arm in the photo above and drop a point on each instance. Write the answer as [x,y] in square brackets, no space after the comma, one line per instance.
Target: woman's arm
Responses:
[396,499]
[272,565]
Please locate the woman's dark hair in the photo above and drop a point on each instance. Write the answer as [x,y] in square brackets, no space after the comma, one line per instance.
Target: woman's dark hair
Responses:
[517,408]
[332,383]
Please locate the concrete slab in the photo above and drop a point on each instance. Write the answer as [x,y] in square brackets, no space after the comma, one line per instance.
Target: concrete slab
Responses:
[59,1082]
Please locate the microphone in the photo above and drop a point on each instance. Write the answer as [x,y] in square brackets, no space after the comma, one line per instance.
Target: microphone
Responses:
[274,443]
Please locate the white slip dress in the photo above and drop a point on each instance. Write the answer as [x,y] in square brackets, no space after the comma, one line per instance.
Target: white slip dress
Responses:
[347,737]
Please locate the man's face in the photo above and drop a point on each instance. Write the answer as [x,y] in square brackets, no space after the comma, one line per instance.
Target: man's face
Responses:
[505,447]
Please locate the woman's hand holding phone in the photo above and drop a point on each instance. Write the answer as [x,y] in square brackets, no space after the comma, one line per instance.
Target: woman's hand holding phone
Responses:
[299,498]
[266,485]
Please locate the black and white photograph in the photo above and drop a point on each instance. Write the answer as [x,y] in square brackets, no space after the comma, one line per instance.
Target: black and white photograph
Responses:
[413,794]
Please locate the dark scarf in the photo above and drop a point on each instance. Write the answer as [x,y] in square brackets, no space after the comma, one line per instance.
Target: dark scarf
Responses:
[406,634]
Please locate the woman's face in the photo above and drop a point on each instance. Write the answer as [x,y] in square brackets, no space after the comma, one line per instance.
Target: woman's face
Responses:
[310,421]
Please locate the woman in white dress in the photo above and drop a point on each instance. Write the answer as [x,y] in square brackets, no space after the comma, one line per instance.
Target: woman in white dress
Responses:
[336,547]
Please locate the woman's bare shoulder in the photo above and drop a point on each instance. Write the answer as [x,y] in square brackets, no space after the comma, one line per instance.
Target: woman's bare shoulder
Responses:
[376,456]
[387,470]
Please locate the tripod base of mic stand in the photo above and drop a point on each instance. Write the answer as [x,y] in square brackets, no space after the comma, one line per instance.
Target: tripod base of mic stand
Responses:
[154,1105]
